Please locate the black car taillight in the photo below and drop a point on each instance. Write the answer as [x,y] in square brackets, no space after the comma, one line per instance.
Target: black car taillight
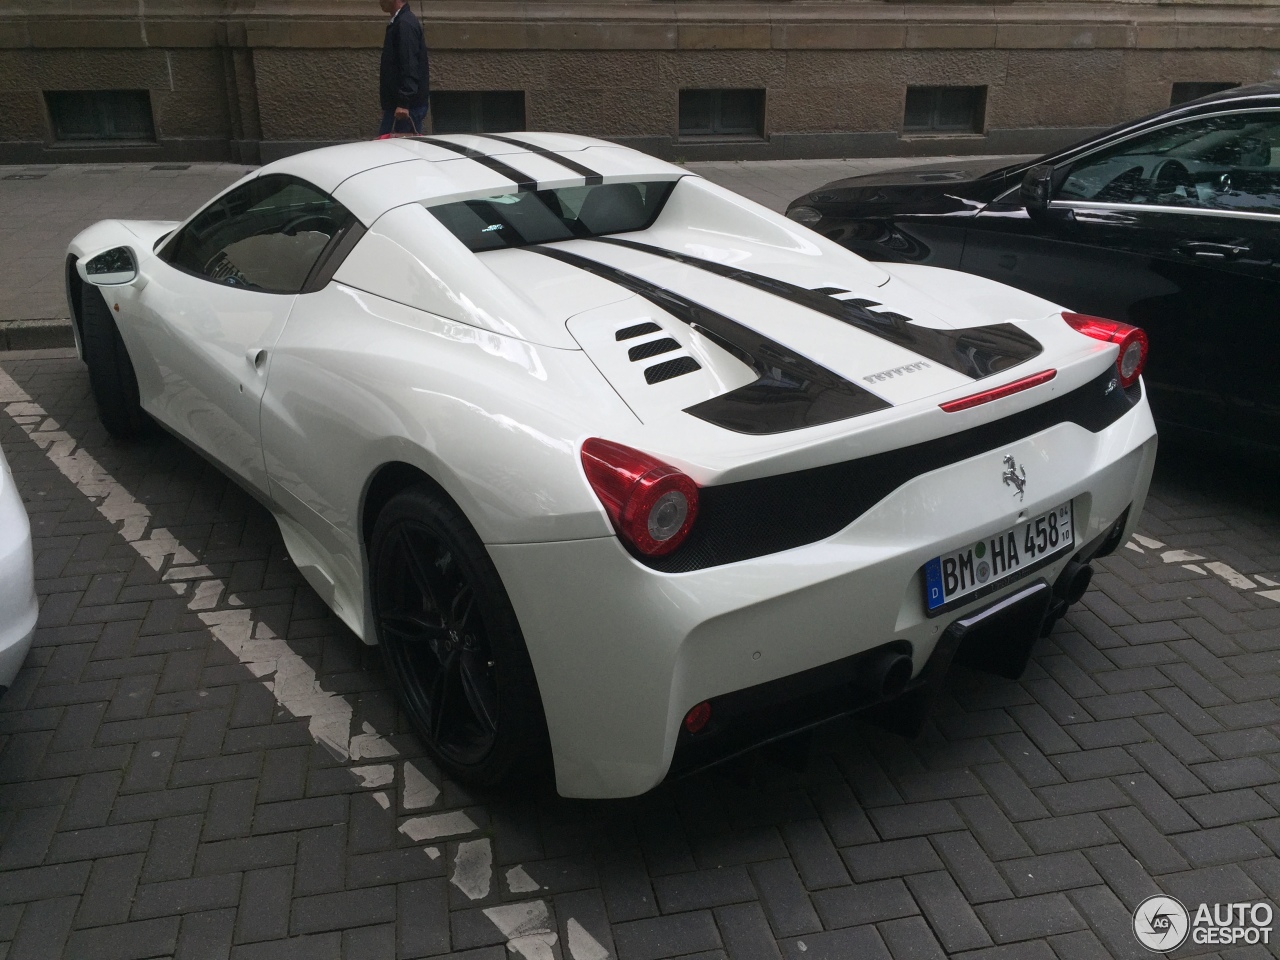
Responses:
[1132,357]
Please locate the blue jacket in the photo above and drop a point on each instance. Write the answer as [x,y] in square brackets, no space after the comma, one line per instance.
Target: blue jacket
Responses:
[404,77]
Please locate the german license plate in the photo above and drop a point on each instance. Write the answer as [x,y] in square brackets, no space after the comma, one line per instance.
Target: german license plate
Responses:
[994,560]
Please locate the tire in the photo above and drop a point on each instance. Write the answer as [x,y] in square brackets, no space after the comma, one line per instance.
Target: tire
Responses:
[451,642]
[111,376]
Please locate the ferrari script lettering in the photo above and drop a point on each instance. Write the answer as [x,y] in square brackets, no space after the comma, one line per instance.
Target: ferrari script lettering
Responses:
[896,372]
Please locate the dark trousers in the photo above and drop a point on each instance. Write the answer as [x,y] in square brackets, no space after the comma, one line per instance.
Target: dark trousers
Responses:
[391,125]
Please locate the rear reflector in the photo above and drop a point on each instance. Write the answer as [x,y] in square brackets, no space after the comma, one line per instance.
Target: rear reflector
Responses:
[996,393]
[698,717]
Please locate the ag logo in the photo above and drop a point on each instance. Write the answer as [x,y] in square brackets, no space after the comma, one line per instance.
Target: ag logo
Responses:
[1160,923]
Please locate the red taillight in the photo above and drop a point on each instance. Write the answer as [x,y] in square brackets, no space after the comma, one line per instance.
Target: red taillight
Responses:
[995,393]
[651,505]
[1132,340]
[698,717]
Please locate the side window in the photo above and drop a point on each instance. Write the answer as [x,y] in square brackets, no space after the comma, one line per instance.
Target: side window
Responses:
[266,235]
[1227,162]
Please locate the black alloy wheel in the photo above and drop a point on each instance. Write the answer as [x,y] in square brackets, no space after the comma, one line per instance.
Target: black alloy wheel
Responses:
[111,377]
[451,641]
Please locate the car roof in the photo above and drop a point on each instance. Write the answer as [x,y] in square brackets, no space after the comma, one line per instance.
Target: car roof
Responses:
[372,177]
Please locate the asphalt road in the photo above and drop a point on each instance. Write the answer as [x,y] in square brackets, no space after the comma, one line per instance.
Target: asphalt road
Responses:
[200,761]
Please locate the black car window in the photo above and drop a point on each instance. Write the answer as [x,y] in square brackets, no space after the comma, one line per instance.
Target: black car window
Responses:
[266,235]
[545,216]
[1224,162]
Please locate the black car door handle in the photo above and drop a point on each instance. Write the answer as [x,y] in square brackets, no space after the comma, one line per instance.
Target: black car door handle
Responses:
[1205,250]
[1102,216]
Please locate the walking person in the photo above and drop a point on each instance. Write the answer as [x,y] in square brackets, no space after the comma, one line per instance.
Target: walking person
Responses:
[403,81]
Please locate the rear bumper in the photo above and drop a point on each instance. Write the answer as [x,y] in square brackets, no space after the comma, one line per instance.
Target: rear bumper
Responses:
[622,651]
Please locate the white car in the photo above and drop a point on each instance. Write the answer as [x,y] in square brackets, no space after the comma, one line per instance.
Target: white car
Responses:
[615,464]
[18,606]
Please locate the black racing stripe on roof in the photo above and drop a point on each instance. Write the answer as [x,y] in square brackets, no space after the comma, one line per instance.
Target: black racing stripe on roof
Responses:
[521,180]
[790,393]
[581,169]
[974,351]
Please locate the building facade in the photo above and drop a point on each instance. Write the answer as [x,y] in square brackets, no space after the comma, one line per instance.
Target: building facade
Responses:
[251,80]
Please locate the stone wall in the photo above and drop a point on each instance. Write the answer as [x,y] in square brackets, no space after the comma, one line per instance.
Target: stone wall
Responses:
[245,79]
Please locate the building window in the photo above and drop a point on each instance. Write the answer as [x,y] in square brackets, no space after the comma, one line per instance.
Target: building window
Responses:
[1182,92]
[100,114]
[722,113]
[945,109]
[477,111]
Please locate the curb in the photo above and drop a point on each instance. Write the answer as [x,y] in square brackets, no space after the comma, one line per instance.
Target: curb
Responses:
[35,334]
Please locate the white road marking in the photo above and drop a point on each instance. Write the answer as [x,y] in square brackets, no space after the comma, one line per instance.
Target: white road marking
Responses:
[582,945]
[452,824]
[1270,595]
[519,881]
[295,685]
[1179,556]
[419,791]
[473,868]
[1195,568]
[1231,575]
[377,775]
[527,927]
[1264,581]
[1133,546]
[1148,542]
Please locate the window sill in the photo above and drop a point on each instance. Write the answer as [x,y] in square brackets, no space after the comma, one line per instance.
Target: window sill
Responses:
[940,135]
[721,138]
[100,144]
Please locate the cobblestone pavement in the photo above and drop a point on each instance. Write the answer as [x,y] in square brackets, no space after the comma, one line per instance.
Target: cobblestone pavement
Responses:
[200,761]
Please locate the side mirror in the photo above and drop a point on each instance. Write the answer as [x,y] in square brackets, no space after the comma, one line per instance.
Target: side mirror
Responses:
[1037,188]
[110,268]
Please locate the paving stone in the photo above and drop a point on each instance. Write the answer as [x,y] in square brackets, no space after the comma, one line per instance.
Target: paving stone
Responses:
[971,868]
[1056,871]
[910,939]
[814,854]
[950,916]
[785,901]
[891,858]
[265,905]
[837,945]
[864,903]
[185,896]
[1027,917]
[746,933]
[666,936]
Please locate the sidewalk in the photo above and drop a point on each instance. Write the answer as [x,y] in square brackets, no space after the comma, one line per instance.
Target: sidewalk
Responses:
[43,207]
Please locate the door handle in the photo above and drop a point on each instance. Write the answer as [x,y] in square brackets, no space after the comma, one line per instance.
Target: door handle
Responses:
[257,357]
[1205,250]
[1102,217]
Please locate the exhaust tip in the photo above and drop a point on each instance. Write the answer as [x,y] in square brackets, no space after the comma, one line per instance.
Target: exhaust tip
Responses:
[1074,582]
[891,674]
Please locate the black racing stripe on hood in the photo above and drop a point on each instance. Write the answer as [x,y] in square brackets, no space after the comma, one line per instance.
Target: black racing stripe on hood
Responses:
[521,180]
[581,169]
[974,351]
[791,392]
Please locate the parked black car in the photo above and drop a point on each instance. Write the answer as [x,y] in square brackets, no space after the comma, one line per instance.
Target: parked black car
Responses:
[1171,223]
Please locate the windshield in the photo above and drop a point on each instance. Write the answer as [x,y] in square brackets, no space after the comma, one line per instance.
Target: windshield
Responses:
[545,216]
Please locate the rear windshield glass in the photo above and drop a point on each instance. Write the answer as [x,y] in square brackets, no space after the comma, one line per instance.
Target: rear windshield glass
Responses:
[545,216]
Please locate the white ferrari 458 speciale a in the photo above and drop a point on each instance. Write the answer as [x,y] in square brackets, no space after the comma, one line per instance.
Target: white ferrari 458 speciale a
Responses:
[623,471]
